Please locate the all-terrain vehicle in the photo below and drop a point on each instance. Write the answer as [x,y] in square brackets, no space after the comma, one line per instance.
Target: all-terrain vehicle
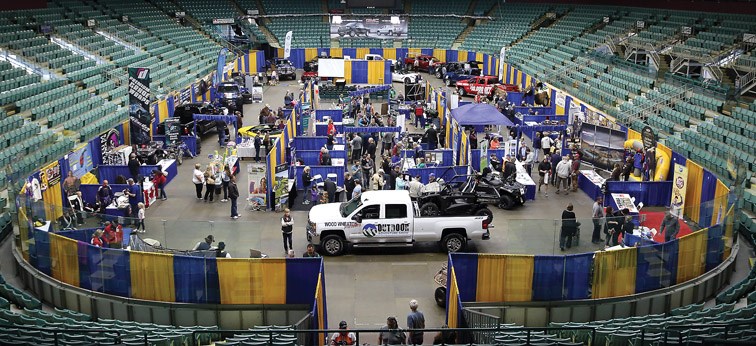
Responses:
[452,200]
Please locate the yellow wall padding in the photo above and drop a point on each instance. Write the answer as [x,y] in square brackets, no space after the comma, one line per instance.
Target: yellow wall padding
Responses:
[361,52]
[504,278]
[693,191]
[252,281]
[691,255]
[64,259]
[440,54]
[152,276]
[336,53]
[614,273]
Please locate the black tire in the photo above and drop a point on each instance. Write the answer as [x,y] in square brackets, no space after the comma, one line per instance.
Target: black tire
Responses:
[506,202]
[407,80]
[430,209]
[453,242]
[448,82]
[438,74]
[440,296]
[485,212]
[332,245]
[461,92]
[351,33]
[180,158]
[391,33]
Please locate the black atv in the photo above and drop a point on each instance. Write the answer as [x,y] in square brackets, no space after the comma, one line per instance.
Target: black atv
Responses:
[506,194]
[452,201]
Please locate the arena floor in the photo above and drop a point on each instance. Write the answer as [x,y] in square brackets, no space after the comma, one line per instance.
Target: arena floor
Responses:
[367,285]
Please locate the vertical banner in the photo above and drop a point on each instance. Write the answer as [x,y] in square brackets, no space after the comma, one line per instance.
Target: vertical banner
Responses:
[502,57]
[218,77]
[258,186]
[679,185]
[139,105]
[287,45]
[483,155]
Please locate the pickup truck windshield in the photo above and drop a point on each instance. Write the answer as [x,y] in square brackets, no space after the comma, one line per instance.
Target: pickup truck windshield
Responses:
[228,88]
[347,208]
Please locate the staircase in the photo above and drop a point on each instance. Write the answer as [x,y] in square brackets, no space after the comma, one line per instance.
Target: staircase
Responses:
[461,37]
[471,8]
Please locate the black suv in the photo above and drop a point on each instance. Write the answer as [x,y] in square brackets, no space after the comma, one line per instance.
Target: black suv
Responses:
[230,96]
[284,68]
[185,112]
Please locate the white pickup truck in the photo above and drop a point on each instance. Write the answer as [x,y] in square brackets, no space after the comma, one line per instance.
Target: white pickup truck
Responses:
[387,219]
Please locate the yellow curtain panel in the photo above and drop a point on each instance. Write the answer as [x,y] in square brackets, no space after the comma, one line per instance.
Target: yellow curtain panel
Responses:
[64,259]
[729,223]
[348,71]
[252,281]
[310,53]
[361,52]
[462,55]
[614,273]
[163,110]
[504,278]
[691,256]
[452,310]
[280,52]
[376,69]
[693,191]
[152,276]
[720,203]
[321,308]
[632,134]
[440,54]
[336,53]
[273,155]
[389,53]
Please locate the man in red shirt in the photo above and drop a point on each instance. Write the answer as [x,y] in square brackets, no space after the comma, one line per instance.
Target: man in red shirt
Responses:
[113,235]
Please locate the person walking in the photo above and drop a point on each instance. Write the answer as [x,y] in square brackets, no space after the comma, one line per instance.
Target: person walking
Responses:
[415,320]
[233,195]
[670,226]
[159,180]
[306,181]
[555,158]
[546,143]
[140,218]
[598,219]
[391,334]
[563,174]
[287,228]
[367,168]
[569,227]
[198,178]
[225,181]
[544,170]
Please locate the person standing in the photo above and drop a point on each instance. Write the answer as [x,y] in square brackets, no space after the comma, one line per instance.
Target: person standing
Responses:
[574,170]
[310,253]
[569,227]
[159,180]
[555,160]
[140,218]
[432,136]
[367,168]
[287,228]
[134,166]
[529,161]
[357,189]
[415,187]
[546,143]
[670,226]
[544,169]
[225,182]
[233,195]
[133,192]
[377,180]
[387,141]
[348,185]
[415,320]
[391,334]
[198,178]
[306,181]
[370,148]
[356,147]
[598,219]
[563,174]
[510,169]
[330,188]
[537,145]
[616,173]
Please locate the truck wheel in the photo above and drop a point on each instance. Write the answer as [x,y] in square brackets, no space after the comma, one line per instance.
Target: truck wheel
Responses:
[438,74]
[332,245]
[461,91]
[485,212]
[352,33]
[506,202]
[430,209]
[453,242]
[448,82]
[441,296]
[391,33]
[407,80]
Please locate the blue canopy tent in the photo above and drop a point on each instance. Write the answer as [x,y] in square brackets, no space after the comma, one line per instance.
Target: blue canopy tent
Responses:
[479,114]
[228,119]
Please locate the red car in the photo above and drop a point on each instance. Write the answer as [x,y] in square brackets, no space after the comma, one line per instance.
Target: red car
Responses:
[486,85]
[426,62]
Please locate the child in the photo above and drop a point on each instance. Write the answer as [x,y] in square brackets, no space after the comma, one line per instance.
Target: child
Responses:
[314,192]
[140,216]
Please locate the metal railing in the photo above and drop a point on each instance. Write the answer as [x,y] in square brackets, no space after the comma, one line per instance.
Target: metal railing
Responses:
[745,82]
[476,319]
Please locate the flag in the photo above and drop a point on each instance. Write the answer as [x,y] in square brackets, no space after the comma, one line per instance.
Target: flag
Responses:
[287,45]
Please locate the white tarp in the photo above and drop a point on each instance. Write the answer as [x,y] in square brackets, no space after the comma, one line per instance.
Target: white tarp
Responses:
[331,68]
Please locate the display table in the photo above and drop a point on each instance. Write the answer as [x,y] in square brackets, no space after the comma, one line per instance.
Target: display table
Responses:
[525,179]
[246,149]
[590,182]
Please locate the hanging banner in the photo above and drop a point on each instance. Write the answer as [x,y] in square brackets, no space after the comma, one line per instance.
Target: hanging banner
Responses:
[384,28]
[287,45]
[679,185]
[218,77]
[258,186]
[648,138]
[483,155]
[80,161]
[502,59]
[172,131]
[49,175]
[139,105]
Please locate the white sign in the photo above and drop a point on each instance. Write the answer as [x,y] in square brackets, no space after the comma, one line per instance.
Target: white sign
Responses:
[287,45]
[219,21]
[640,24]
[502,57]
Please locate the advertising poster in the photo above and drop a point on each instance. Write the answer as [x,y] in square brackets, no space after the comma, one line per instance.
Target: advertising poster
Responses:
[139,105]
[172,131]
[602,146]
[258,186]
[80,161]
[679,185]
[49,175]
[379,28]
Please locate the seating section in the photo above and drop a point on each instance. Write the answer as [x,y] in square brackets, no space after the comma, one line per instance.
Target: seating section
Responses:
[511,21]
[311,31]
[264,335]
[433,32]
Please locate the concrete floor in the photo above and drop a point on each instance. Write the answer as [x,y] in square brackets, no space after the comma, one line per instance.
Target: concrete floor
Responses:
[367,285]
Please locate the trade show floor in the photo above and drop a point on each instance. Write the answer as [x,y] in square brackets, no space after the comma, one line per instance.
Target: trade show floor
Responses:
[383,281]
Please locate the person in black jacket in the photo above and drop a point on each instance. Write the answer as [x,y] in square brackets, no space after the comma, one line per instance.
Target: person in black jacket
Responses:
[325,157]
[431,136]
[510,170]
[233,194]
[569,227]
[330,187]
[134,167]
[306,181]
[348,184]
[616,226]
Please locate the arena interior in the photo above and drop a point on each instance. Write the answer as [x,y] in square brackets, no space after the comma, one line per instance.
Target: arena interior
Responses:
[652,102]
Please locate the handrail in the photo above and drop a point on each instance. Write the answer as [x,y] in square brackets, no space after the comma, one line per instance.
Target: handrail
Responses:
[742,81]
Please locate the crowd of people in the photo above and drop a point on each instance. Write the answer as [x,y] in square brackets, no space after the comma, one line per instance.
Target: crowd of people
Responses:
[214,180]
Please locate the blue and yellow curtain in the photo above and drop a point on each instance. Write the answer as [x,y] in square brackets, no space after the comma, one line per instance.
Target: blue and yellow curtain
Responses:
[184,279]
[453,301]
[691,260]
[505,278]
[614,273]
[693,191]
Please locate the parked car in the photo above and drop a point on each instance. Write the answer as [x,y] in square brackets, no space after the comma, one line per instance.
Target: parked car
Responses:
[440,69]
[451,77]
[425,62]
[353,29]
[230,96]
[284,68]
[485,85]
[402,75]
